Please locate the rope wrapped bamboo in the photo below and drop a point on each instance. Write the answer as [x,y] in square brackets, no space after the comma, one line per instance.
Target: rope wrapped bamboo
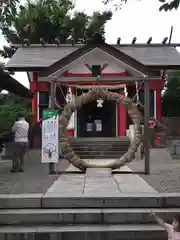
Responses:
[90,96]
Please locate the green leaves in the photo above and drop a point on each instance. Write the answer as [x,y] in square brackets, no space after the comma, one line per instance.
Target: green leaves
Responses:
[173,4]
[10,106]
[164,7]
[169,6]
[49,19]
[171,97]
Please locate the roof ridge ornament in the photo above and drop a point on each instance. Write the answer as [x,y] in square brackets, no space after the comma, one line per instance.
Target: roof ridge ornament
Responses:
[165,40]
[134,40]
[97,38]
[149,40]
[118,40]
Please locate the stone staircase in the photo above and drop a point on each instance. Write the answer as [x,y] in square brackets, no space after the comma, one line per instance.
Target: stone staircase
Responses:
[124,217]
[100,148]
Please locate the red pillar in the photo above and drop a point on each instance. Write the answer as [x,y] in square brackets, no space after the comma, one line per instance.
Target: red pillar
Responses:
[33,87]
[158,105]
[122,120]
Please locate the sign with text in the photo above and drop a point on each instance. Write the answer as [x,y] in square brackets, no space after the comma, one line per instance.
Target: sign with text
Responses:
[50,136]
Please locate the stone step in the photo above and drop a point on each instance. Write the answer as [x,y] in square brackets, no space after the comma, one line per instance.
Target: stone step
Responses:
[107,154]
[122,141]
[127,201]
[99,156]
[95,150]
[97,147]
[83,216]
[115,143]
[99,139]
[120,200]
[100,147]
[84,232]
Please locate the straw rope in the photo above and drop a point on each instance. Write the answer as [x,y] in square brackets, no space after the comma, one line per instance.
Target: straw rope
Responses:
[95,93]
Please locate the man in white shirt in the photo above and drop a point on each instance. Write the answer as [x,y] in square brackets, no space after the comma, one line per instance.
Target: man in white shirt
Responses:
[20,130]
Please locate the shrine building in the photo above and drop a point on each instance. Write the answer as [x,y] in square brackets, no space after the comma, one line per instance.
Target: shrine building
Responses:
[77,67]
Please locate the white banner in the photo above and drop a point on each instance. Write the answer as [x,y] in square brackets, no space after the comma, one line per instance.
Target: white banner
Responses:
[50,137]
[69,98]
[71,124]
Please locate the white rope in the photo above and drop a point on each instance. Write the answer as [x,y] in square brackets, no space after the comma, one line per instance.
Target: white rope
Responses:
[89,87]
[137,91]
[55,99]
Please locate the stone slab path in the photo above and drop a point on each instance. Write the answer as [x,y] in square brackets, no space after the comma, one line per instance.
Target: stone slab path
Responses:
[98,182]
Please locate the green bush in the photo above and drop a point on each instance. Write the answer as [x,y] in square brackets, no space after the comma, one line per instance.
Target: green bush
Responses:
[9,109]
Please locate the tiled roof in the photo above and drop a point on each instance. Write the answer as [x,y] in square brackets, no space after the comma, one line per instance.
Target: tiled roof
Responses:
[40,57]
[153,56]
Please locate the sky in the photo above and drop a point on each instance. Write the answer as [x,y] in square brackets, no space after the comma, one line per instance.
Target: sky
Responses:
[140,19]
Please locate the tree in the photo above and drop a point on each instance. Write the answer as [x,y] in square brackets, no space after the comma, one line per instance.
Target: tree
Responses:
[50,19]
[10,106]
[171,97]
[166,5]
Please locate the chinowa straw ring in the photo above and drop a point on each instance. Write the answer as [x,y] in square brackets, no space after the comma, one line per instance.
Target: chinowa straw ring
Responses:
[95,94]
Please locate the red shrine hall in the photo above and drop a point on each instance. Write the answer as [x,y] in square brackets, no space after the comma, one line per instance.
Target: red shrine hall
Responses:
[75,67]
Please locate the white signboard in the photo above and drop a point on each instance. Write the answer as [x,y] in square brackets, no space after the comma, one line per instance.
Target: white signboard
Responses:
[50,136]
[98,125]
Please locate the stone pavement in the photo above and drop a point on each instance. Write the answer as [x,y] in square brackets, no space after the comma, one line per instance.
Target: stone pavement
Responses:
[98,182]
[164,175]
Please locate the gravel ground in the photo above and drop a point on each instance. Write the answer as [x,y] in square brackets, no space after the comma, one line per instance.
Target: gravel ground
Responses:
[35,179]
[164,171]
[164,177]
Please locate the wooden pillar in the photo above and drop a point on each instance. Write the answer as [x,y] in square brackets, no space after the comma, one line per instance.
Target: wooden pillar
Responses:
[51,105]
[146,126]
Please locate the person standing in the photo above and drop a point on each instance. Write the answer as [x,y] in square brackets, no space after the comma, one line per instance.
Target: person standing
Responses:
[20,130]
